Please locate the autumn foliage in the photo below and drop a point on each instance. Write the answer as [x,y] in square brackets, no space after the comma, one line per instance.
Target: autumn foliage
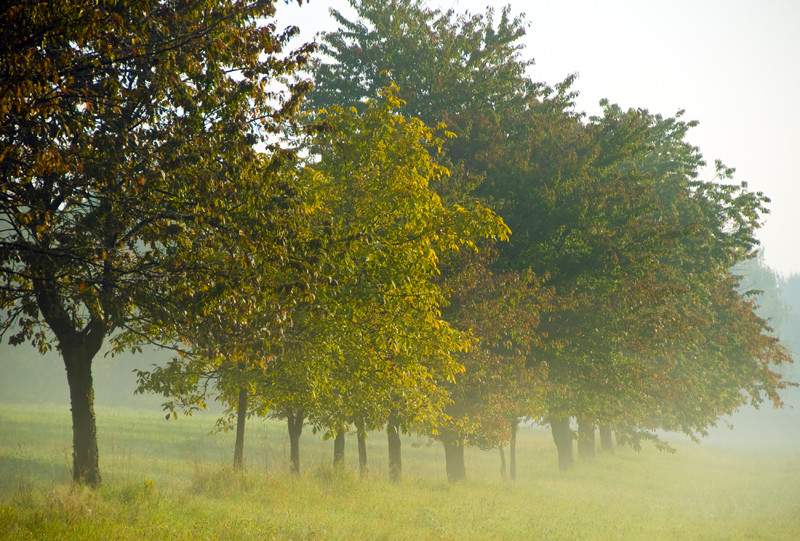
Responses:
[432,241]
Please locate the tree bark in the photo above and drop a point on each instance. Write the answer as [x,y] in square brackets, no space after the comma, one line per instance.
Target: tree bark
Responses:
[586,438]
[395,458]
[562,435]
[85,456]
[295,421]
[512,450]
[338,449]
[363,466]
[241,417]
[502,462]
[78,348]
[606,439]
[454,459]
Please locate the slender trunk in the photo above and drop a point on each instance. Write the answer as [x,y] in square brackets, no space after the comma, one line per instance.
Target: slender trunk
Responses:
[454,459]
[241,416]
[295,429]
[562,435]
[512,450]
[363,466]
[395,458]
[85,456]
[502,462]
[586,438]
[338,449]
[606,439]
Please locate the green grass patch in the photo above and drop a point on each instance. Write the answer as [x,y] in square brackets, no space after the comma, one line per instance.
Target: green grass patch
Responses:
[173,480]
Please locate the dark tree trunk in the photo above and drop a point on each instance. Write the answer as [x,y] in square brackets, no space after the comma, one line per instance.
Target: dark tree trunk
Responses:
[454,459]
[295,429]
[85,456]
[502,463]
[606,439]
[395,458]
[78,348]
[241,417]
[512,450]
[363,466]
[338,449]
[586,438]
[562,435]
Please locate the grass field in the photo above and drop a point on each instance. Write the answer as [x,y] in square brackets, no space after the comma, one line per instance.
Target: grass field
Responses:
[172,480]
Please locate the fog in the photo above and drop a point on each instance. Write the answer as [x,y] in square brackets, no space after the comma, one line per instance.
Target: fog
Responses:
[30,378]
[765,427]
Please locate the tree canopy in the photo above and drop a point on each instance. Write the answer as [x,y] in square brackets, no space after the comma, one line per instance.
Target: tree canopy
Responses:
[609,211]
[127,136]
[437,243]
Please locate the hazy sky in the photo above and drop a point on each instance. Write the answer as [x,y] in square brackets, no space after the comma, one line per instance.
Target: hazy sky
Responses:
[733,65]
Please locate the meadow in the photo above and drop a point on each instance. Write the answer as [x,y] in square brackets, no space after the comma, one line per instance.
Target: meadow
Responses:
[172,480]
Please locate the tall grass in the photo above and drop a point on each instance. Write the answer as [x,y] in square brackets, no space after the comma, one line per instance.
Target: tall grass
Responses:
[172,480]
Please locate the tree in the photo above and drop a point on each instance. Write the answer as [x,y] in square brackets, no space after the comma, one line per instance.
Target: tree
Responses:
[382,347]
[463,70]
[651,277]
[124,139]
[499,385]
[232,329]
[439,62]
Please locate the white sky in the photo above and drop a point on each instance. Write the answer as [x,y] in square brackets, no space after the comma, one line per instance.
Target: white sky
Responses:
[733,65]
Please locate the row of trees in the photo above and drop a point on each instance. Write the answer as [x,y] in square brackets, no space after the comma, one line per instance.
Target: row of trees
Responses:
[432,241]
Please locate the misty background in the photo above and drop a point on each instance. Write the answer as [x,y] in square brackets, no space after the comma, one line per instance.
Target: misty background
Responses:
[26,377]
[729,64]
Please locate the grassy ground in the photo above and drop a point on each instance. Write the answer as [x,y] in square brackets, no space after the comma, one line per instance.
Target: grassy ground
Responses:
[171,480]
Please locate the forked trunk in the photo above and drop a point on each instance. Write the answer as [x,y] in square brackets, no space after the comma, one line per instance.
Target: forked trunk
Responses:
[295,421]
[606,439]
[512,450]
[454,458]
[586,438]
[85,457]
[338,449]
[395,458]
[562,435]
[78,348]
[241,417]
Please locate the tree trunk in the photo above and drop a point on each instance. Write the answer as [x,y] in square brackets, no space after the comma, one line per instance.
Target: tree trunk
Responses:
[85,456]
[78,348]
[562,435]
[606,439]
[454,459]
[241,416]
[338,449]
[586,438]
[295,429]
[502,462]
[512,450]
[395,458]
[363,467]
